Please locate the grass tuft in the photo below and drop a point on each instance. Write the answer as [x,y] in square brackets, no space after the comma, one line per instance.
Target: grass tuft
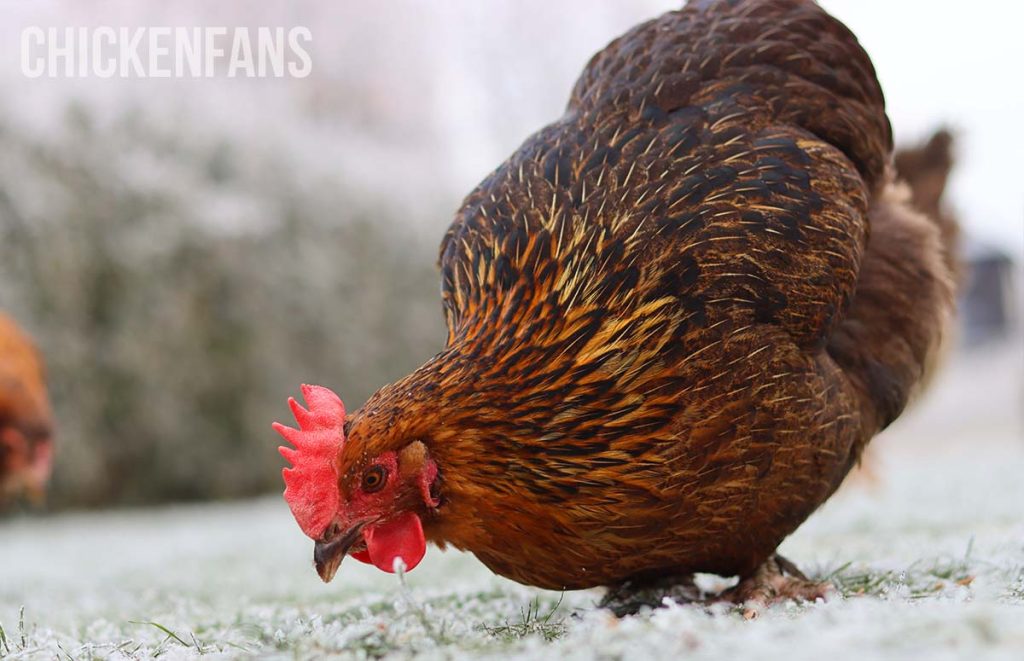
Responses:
[531,622]
[920,579]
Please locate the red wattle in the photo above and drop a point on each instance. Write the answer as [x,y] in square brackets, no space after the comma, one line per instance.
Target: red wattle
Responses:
[401,537]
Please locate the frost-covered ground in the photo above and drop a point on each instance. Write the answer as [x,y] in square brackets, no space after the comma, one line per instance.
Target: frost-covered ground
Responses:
[929,561]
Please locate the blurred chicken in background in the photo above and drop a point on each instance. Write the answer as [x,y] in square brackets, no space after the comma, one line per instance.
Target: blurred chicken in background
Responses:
[925,167]
[26,425]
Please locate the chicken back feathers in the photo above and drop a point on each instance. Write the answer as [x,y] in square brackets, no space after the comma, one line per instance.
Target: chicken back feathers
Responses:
[677,314]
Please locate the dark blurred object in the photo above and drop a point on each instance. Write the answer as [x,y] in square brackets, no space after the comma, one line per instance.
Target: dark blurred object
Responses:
[986,305]
[26,425]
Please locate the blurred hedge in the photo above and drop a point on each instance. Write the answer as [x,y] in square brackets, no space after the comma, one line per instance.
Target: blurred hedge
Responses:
[181,287]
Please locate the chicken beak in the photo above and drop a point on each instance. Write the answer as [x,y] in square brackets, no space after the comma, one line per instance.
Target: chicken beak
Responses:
[329,551]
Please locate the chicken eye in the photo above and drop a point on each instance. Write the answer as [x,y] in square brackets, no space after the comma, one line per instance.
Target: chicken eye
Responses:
[374,478]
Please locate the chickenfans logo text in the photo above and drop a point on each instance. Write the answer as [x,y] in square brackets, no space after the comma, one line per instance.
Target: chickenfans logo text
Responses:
[166,52]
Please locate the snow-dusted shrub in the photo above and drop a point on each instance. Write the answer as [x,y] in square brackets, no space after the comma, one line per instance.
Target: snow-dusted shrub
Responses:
[181,287]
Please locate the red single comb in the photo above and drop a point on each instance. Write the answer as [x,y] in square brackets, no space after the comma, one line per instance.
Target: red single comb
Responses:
[311,485]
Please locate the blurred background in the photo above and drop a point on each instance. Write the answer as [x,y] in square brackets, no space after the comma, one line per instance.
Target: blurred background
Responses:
[187,251]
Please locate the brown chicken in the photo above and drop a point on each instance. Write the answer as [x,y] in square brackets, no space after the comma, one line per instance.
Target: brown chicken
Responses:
[676,316]
[26,426]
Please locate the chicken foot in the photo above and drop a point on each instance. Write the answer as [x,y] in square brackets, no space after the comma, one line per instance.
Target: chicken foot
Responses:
[629,597]
[775,581]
